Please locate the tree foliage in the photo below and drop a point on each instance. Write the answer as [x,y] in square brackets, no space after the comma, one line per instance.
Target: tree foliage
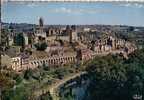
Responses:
[4,37]
[19,40]
[28,74]
[5,82]
[113,77]
[41,46]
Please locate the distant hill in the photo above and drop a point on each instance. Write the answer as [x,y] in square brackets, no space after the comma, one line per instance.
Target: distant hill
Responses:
[25,27]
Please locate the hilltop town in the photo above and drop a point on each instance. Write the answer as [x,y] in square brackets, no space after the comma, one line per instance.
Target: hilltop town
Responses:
[61,44]
[47,61]
[71,50]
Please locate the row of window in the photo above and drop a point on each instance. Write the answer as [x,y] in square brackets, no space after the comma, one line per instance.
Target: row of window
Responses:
[54,61]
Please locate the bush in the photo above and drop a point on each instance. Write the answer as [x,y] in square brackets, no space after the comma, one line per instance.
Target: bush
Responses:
[28,74]
[41,46]
[19,79]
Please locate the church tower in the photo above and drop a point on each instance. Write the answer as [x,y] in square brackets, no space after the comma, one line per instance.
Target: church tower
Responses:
[40,30]
[68,30]
[73,34]
[69,33]
[41,23]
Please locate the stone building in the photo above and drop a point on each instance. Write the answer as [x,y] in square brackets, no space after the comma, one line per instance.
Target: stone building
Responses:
[73,37]
[16,63]
[26,39]
[84,55]
[52,57]
[52,34]
[45,58]
[53,31]
[39,32]
[41,25]
[11,62]
[11,38]
[24,57]
[109,44]
[5,61]
[11,41]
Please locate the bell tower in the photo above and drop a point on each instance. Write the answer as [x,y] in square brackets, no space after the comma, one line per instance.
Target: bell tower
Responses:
[73,34]
[41,24]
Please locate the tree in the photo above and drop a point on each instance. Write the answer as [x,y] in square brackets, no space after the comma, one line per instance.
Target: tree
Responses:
[45,67]
[46,96]
[131,28]
[18,79]
[41,45]
[113,77]
[61,42]
[60,73]
[19,40]
[28,74]
[5,83]
[4,40]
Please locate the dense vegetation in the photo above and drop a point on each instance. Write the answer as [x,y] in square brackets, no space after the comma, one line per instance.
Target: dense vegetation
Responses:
[112,77]
[115,78]
[24,84]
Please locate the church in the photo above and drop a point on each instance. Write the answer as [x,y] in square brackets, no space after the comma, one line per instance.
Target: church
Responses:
[69,34]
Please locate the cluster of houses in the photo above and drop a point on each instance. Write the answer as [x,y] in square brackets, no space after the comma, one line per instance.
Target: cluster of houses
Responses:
[56,54]
[25,61]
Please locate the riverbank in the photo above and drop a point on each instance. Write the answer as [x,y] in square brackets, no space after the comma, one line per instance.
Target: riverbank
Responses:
[52,89]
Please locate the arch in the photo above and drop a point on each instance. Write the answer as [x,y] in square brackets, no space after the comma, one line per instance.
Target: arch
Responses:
[41,61]
[38,62]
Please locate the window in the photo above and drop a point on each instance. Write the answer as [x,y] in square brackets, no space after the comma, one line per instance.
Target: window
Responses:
[37,62]
[34,62]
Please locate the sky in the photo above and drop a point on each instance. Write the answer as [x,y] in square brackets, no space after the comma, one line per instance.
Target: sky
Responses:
[112,13]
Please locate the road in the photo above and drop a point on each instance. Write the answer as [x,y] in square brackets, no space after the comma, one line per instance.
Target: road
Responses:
[53,88]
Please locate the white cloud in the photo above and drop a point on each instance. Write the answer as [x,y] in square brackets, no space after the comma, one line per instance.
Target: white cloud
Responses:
[63,10]
[137,5]
[31,4]
[77,10]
